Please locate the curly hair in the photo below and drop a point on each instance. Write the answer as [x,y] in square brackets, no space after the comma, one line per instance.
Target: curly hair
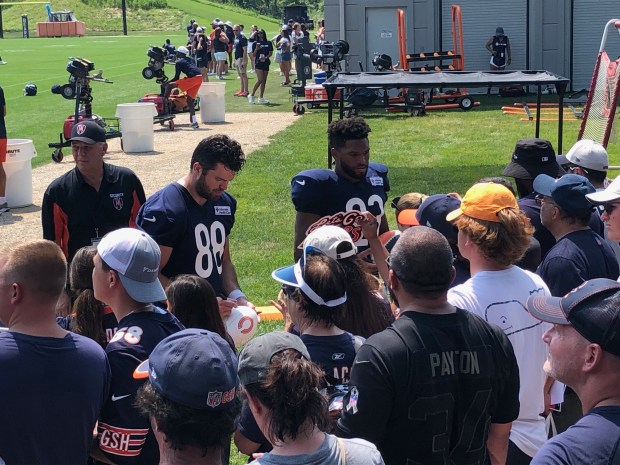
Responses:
[218,149]
[290,390]
[87,311]
[187,427]
[505,242]
[326,277]
[342,130]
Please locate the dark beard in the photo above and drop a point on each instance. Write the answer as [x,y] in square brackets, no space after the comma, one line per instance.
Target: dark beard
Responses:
[203,191]
[352,174]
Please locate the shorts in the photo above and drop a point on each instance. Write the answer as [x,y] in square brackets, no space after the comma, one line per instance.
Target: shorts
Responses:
[202,62]
[190,85]
[220,56]
[262,65]
[3,143]
[241,69]
[286,56]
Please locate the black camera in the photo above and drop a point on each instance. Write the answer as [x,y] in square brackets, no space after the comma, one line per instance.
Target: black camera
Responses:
[158,57]
[330,52]
[79,67]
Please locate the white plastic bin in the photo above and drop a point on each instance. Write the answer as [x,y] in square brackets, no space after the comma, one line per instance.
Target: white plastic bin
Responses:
[212,102]
[137,126]
[18,168]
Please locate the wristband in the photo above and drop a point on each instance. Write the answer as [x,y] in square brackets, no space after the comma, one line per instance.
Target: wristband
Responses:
[234,295]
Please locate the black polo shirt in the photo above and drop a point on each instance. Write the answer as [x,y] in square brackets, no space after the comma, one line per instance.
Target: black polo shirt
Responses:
[74,213]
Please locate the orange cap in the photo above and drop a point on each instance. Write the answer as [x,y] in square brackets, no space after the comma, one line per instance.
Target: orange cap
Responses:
[407,217]
[483,201]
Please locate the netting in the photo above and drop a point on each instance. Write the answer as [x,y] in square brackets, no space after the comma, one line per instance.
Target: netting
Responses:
[600,108]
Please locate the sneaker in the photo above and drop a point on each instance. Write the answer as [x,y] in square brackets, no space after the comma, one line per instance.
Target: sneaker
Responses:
[252,71]
[238,93]
[4,207]
[195,126]
[244,94]
[251,98]
[262,101]
[211,74]
[221,78]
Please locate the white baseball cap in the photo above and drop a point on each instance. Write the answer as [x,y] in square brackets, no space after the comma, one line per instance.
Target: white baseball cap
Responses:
[588,154]
[333,241]
[135,256]
[182,50]
[611,193]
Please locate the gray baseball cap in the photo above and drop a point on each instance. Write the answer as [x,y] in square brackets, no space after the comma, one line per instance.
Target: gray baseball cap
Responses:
[588,154]
[256,356]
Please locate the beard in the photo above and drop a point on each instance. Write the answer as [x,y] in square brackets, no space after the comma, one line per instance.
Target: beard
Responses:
[352,173]
[203,191]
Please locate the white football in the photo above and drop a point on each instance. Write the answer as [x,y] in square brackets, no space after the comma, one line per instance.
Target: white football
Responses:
[242,324]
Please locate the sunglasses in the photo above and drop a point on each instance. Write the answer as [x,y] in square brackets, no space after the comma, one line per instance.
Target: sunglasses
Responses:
[540,199]
[610,207]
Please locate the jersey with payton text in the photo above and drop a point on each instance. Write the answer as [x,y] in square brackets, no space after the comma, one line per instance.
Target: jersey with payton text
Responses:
[322,192]
[426,389]
[51,393]
[124,434]
[197,234]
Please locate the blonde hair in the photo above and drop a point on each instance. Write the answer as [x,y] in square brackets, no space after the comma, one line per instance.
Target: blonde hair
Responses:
[504,242]
[39,266]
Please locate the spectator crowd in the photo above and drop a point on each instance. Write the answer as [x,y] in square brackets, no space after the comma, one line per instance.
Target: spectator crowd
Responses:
[458,337]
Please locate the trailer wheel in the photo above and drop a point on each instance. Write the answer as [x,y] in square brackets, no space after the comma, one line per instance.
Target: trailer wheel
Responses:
[171,125]
[57,155]
[466,103]
[310,105]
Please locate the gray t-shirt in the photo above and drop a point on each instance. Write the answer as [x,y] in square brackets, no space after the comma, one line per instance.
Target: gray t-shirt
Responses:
[358,452]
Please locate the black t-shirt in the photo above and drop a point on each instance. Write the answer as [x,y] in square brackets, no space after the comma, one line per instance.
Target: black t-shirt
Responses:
[425,389]
[240,42]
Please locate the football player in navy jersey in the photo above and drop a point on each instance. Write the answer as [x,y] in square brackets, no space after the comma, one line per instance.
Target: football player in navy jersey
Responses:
[324,196]
[191,219]
[126,276]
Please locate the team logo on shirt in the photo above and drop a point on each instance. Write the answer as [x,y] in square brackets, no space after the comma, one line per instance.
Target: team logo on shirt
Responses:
[375,181]
[117,200]
[222,210]
[345,220]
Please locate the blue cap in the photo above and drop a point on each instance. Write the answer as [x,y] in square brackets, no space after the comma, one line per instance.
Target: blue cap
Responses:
[432,213]
[195,368]
[569,192]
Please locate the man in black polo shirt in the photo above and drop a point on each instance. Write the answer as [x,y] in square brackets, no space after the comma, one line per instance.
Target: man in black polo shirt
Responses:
[92,199]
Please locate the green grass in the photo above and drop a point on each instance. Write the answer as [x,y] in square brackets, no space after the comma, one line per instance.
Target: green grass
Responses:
[122,58]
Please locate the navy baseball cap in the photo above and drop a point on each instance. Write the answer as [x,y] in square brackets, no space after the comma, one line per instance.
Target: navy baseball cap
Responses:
[87,131]
[293,276]
[569,192]
[255,358]
[585,309]
[195,368]
[433,211]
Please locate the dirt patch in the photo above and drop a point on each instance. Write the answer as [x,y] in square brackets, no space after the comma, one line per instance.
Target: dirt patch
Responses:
[169,162]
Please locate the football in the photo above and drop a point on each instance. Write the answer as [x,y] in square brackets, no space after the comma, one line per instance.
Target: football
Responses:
[242,324]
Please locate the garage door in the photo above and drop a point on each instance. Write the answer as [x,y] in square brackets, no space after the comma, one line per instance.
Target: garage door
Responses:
[589,19]
[480,18]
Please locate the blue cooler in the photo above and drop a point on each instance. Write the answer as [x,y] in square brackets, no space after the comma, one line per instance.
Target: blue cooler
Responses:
[320,77]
